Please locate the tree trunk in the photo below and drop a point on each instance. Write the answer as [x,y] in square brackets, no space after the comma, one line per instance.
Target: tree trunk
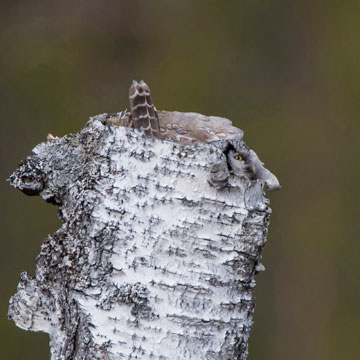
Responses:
[158,249]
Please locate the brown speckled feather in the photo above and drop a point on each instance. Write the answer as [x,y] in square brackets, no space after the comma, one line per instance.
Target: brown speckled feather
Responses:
[143,113]
[184,128]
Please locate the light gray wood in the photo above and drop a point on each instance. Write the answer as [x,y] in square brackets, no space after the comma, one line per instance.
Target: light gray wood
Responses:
[160,242]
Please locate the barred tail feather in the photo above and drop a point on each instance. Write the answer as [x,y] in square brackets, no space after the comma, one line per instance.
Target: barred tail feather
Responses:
[143,113]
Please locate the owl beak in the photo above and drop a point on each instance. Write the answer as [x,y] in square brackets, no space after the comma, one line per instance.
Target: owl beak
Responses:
[272,183]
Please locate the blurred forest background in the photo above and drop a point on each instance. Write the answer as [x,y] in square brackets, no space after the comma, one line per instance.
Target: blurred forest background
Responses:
[286,72]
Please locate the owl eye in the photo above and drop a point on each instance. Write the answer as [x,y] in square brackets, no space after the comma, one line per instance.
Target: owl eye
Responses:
[238,157]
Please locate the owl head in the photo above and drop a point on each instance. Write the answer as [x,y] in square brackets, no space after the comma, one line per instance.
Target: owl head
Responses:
[239,160]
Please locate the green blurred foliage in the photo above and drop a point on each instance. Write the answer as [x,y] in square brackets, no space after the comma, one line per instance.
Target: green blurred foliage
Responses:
[286,72]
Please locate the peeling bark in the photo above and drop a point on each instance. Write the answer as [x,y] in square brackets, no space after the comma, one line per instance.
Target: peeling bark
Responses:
[158,249]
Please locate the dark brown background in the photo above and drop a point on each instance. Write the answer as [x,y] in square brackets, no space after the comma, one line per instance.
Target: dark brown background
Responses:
[286,72]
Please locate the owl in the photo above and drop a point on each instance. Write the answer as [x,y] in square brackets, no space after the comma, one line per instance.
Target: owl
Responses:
[248,165]
[192,129]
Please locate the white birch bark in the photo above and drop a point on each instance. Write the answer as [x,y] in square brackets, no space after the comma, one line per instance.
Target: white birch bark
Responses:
[158,249]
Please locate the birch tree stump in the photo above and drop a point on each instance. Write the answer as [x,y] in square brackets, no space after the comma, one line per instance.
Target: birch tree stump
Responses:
[160,242]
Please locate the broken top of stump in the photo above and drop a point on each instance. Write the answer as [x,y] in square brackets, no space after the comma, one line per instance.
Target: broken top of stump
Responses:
[184,128]
[193,129]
